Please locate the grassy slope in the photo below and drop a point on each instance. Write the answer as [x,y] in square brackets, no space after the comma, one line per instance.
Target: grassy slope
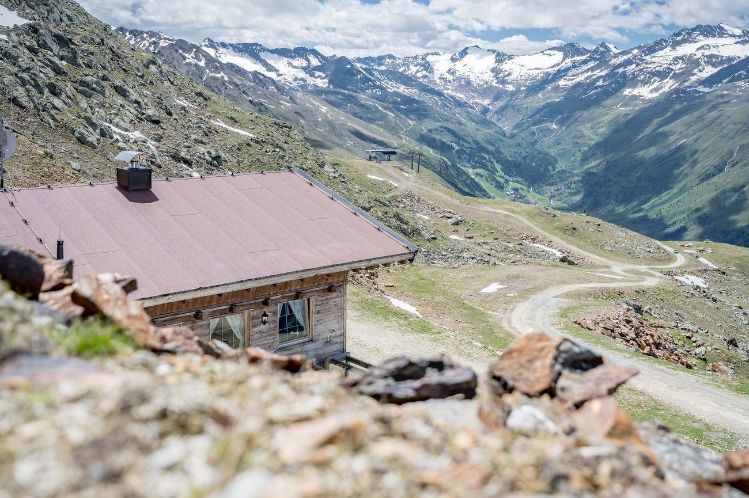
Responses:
[450,297]
[669,169]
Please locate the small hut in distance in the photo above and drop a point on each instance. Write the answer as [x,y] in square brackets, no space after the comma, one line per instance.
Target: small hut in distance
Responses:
[381,154]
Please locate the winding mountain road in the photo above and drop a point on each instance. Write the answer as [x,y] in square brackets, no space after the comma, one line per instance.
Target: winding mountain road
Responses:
[680,390]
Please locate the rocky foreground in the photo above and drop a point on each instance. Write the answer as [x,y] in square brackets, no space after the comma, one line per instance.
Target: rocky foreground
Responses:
[96,402]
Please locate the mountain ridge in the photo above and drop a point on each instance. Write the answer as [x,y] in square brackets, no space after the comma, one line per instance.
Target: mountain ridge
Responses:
[569,106]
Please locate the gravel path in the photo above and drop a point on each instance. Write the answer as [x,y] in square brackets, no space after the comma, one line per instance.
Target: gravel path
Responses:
[375,342]
[678,389]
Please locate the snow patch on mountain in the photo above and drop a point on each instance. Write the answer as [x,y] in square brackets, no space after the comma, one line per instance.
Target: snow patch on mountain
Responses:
[194,57]
[653,89]
[229,56]
[150,42]
[474,63]
[293,70]
[721,47]
[732,30]
[9,18]
[238,131]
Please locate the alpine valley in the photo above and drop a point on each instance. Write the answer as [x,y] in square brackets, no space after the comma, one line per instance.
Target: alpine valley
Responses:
[653,138]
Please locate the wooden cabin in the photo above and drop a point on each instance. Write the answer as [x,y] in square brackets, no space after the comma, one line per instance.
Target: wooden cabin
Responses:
[257,259]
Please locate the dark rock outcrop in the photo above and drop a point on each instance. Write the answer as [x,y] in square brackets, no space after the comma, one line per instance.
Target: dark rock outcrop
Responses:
[401,380]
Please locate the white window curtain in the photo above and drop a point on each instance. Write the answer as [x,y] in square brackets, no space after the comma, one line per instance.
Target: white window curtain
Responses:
[299,308]
[236,322]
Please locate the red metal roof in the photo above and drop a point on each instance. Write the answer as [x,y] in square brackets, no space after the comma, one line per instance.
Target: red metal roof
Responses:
[195,233]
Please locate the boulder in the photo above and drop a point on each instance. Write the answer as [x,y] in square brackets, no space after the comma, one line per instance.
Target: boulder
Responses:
[534,362]
[23,270]
[526,366]
[104,296]
[529,420]
[20,98]
[21,329]
[87,137]
[180,340]
[152,116]
[94,85]
[58,274]
[401,380]
[602,420]
[577,387]
[61,301]
[737,469]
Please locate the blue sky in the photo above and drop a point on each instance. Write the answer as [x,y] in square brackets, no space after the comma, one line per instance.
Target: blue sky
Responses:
[406,27]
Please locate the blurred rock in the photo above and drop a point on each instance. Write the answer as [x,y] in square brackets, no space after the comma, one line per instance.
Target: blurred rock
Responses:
[602,420]
[104,296]
[179,340]
[49,372]
[292,363]
[737,469]
[62,302]
[21,330]
[681,459]
[533,363]
[58,274]
[577,387]
[530,421]
[401,380]
[22,270]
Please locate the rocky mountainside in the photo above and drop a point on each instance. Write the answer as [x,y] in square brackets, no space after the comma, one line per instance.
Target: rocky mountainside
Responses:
[76,94]
[102,403]
[651,137]
[338,102]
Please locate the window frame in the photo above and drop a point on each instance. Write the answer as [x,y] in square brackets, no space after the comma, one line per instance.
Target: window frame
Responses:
[296,340]
[245,321]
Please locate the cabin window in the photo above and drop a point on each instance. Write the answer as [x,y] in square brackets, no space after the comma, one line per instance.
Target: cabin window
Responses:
[229,329]
[293,320]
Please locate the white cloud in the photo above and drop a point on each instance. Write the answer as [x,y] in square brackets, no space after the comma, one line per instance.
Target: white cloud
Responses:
[403,27]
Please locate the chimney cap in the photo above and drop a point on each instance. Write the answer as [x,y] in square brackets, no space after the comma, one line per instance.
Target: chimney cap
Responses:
[127,156]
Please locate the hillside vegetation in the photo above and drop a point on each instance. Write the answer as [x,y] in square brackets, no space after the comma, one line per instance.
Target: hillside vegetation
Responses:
[76,94]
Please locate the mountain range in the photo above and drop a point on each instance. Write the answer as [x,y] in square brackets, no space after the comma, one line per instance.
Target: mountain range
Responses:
[653,137]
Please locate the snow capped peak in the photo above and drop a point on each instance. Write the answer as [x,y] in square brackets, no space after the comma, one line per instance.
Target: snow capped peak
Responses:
[570,50]
[480,76]
[606,48]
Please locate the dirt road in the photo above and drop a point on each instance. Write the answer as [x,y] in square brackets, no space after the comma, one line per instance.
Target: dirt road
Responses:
[540,312]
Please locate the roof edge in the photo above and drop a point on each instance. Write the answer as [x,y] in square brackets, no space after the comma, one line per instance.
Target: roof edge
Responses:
[274,279]
[155,179]
[377,223]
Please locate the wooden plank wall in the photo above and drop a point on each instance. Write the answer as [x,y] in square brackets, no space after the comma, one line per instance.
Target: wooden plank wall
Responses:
[327,298]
